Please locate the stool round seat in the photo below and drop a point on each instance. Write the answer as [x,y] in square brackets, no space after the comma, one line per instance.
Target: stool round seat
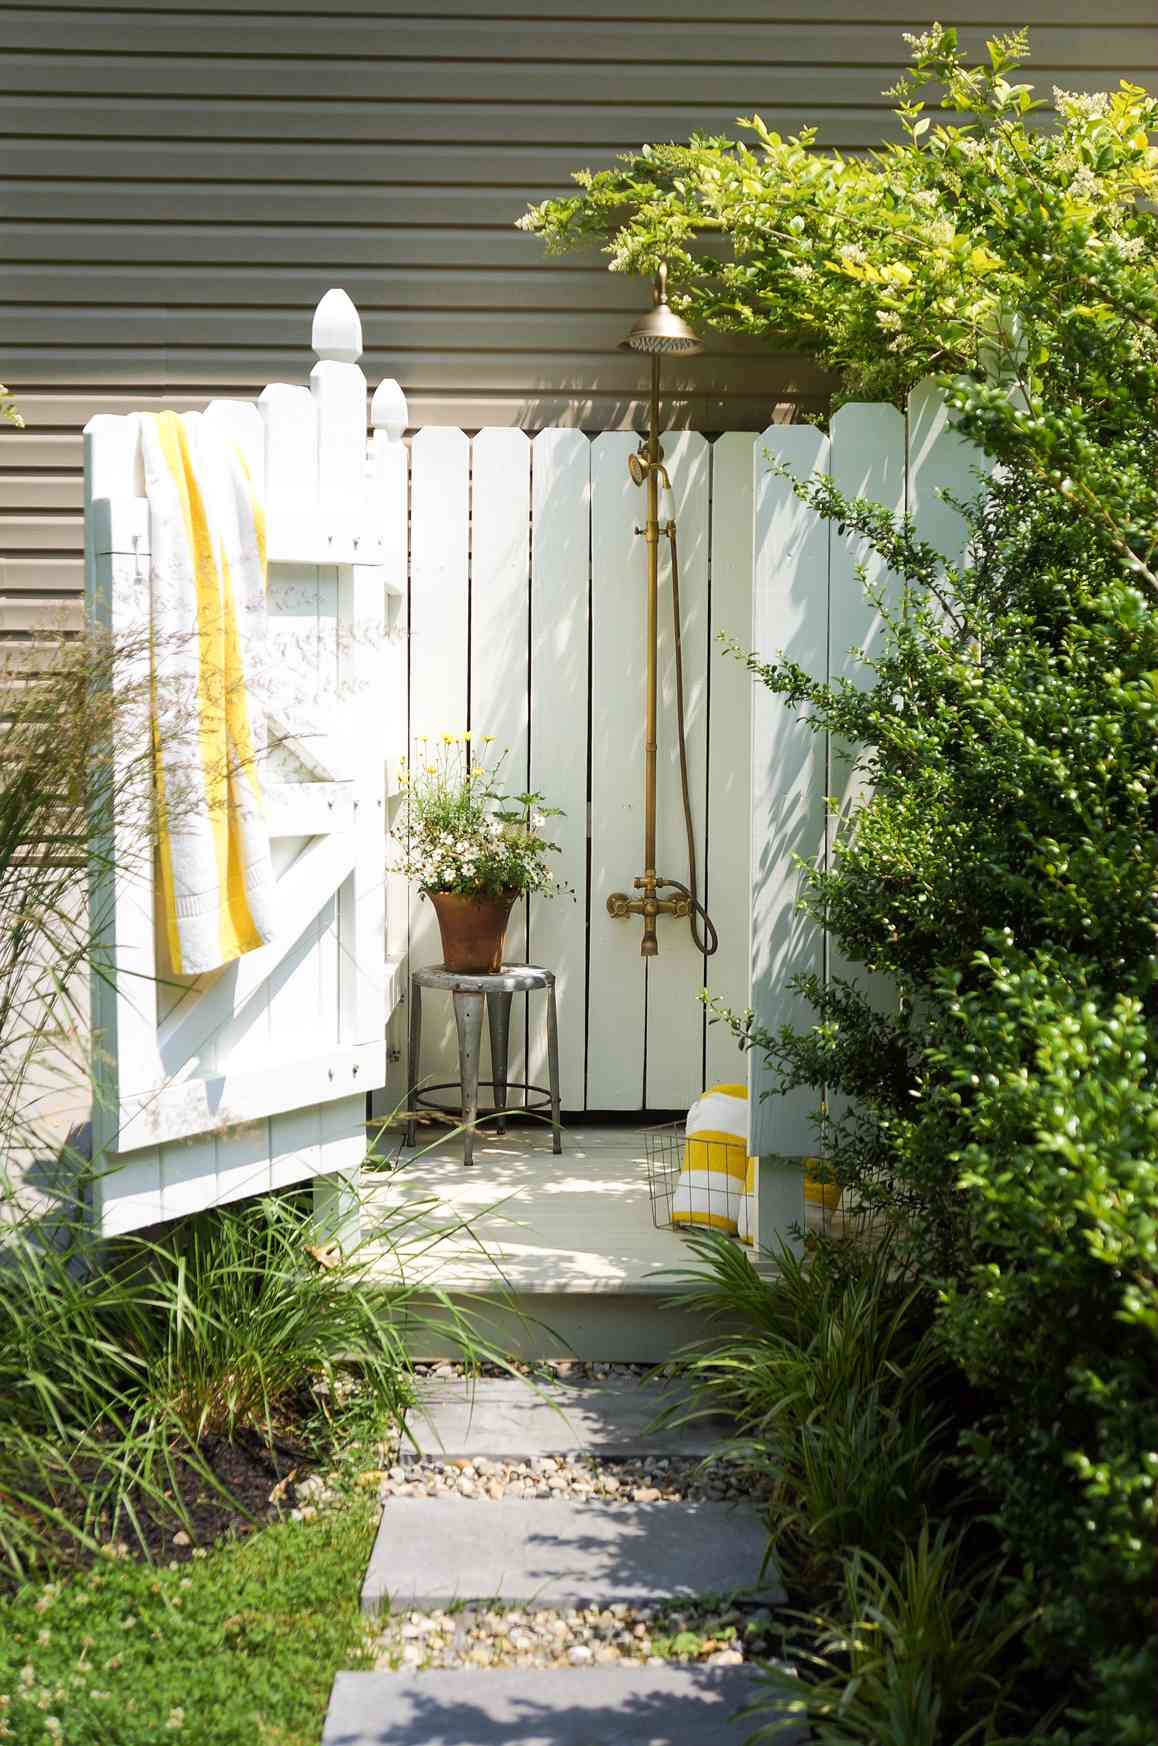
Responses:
[510,979]
[472,993]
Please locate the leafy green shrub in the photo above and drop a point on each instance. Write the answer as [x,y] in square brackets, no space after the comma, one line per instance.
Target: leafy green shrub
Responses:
[1012,781]
[1004,870]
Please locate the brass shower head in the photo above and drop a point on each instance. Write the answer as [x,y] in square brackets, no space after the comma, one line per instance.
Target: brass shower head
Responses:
[661,329]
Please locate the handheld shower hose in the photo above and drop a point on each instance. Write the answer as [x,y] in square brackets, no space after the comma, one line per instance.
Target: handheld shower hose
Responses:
[706,938]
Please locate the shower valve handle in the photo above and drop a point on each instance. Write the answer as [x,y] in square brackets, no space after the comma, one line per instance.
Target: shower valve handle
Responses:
[620,905]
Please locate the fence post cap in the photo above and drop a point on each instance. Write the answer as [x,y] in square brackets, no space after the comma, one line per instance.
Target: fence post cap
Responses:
[337,331]
[388,410]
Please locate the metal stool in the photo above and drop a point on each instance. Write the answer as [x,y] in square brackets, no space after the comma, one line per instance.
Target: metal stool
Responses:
[469,993]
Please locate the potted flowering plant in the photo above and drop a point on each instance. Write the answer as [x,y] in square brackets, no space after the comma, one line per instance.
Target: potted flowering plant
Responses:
[471,848]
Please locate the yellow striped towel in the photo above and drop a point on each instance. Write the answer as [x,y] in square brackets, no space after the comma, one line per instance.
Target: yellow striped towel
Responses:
[207,608]
[710,1190]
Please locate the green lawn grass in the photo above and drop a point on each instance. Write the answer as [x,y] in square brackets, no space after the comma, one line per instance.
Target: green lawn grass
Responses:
[235,1648]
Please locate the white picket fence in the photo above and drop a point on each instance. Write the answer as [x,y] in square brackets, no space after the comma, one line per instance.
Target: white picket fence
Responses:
[527,597]
[809,603]
[527,581]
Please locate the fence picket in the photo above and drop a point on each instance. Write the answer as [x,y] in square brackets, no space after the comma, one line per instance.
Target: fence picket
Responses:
[499,630]
[790,615]
[439,631]
[868,460]
[388,508]
[290,415]
[728,862]
[617,999]
[939,460]
[560,575]
[675,1016]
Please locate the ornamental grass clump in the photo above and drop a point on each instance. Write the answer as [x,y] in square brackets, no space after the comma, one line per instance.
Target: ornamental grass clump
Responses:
[914,1653]
[144,1380]
[830,1372]
[460,832]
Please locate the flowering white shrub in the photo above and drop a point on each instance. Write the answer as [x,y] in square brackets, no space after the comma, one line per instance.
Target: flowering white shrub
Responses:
[460,833]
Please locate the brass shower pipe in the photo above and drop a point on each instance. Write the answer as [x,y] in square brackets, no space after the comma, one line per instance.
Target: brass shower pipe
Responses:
[660,330]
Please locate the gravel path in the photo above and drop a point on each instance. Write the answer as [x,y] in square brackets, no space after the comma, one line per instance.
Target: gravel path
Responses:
[586,1478]
[707,1631]
[577,1637]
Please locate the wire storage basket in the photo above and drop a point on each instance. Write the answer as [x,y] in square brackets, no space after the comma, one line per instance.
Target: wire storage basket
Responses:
[664,1150]
[712,1194]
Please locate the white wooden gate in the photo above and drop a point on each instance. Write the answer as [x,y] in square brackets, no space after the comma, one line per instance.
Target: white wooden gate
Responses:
[255,1076]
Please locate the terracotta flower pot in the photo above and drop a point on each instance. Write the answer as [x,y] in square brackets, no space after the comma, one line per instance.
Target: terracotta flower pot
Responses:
[474,930]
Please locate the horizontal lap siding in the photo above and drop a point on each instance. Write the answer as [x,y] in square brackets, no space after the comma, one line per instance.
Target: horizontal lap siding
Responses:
[178,189]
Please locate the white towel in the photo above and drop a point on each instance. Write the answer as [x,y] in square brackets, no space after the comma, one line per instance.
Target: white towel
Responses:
[208,607]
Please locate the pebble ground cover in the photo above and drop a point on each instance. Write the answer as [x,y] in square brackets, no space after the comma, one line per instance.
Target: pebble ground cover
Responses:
[719,1634]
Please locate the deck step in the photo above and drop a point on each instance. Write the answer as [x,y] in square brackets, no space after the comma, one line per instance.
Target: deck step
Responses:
[500,1418]
[437,1552]
[617,1326]
[590,1706]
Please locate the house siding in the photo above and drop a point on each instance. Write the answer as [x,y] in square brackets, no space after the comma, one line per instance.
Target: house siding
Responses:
[179,187]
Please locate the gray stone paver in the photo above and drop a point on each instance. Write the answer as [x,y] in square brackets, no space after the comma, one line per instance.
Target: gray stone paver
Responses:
[646,1706]
[433,1552]
[496,1417]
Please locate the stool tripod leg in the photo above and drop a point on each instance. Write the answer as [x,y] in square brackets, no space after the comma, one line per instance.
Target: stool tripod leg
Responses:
[499,1021]
[553,1068]
[468,1013]
[415,1056]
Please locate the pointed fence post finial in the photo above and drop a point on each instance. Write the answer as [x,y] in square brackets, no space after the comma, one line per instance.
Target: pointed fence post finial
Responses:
[388,409]
[337,332]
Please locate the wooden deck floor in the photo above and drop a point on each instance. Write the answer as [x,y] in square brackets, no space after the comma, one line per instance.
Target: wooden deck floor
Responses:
[527,1220]
[548,1256]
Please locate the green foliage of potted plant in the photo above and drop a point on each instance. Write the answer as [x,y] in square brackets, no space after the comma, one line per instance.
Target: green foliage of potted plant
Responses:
[470,847]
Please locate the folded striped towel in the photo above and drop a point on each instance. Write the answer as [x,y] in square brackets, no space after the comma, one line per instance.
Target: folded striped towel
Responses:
[207,608]
[711,1186]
